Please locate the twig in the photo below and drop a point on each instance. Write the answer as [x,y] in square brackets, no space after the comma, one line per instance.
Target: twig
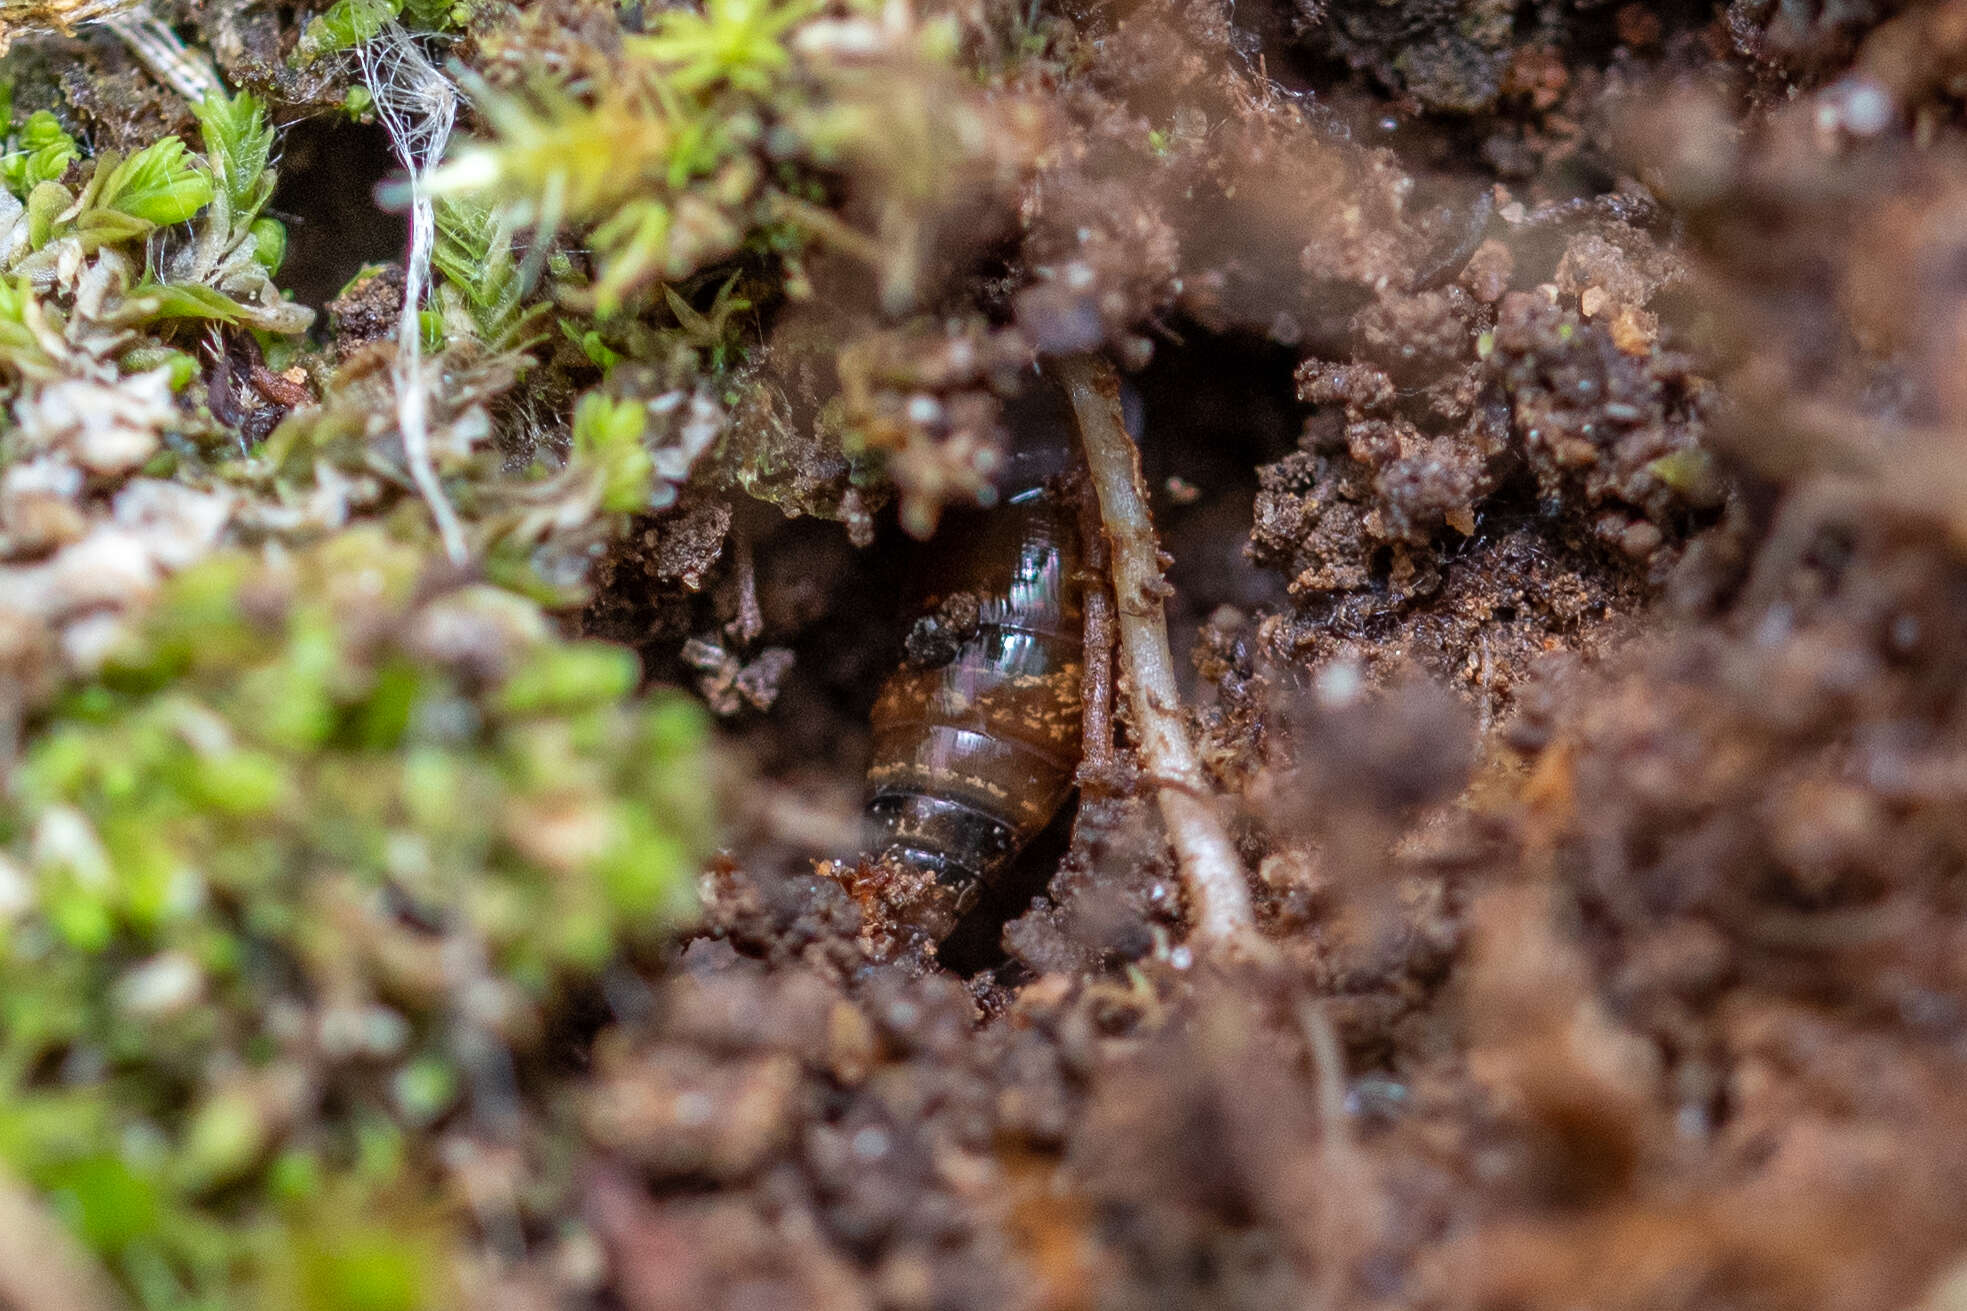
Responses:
[1096,766]
[186,71]
[418,106]
[1343,1177]
[823,223]
[33,17]
[1210,868]
[1327,1067]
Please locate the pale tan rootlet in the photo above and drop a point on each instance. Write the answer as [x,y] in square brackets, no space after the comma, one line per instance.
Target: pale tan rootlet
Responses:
[1211,871]
[32,17]
[186,71]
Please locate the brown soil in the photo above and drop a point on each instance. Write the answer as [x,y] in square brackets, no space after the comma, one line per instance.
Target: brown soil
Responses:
[1550,414]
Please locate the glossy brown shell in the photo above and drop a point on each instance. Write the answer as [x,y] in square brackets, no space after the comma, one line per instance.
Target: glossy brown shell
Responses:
[972,758]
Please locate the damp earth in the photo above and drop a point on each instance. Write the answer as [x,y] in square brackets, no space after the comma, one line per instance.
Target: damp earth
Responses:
[434,738]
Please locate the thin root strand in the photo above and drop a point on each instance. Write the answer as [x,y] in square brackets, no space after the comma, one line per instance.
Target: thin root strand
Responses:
[1211,871]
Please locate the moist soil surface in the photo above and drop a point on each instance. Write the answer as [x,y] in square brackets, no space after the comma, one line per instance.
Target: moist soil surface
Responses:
[1544,409]
[1553,419]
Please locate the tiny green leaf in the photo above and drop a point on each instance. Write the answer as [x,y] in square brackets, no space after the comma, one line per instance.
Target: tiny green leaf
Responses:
[269,243]
[346,24]
[741,42]
[157,300]
[41,153]
[569,677]
[608,436]
[161,184]
[239,144]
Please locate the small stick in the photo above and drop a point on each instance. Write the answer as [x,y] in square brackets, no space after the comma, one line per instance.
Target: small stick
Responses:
[1327,1068]
[34,17]
[186,71]
[1211,871]
[1096,765]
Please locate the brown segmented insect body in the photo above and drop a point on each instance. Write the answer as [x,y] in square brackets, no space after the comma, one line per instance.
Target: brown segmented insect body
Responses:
[974,754]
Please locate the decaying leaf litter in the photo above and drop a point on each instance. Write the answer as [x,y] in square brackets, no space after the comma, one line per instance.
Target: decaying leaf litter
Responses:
[1548,415]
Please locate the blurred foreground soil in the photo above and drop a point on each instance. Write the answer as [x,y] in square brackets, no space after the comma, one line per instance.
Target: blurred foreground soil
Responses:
[1557,424]
[1558,411]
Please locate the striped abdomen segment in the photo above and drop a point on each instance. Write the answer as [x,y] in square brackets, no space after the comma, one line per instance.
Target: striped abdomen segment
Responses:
[973,757]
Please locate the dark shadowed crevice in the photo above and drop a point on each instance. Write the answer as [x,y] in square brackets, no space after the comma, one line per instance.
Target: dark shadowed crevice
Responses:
[329,171]
[1213,409]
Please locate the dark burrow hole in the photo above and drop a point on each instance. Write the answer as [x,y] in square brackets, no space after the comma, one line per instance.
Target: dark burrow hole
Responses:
[329,170]
[1208,411]
[977,945]
[1211,410]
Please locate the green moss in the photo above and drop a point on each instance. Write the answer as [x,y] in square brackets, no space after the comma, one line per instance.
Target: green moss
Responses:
[609,433]
[481,295]
[159,185]
[263,851]
[169,236]
[736,42]
[239,146]
[38,151]
[665,165]
[348,23]
[335,832]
